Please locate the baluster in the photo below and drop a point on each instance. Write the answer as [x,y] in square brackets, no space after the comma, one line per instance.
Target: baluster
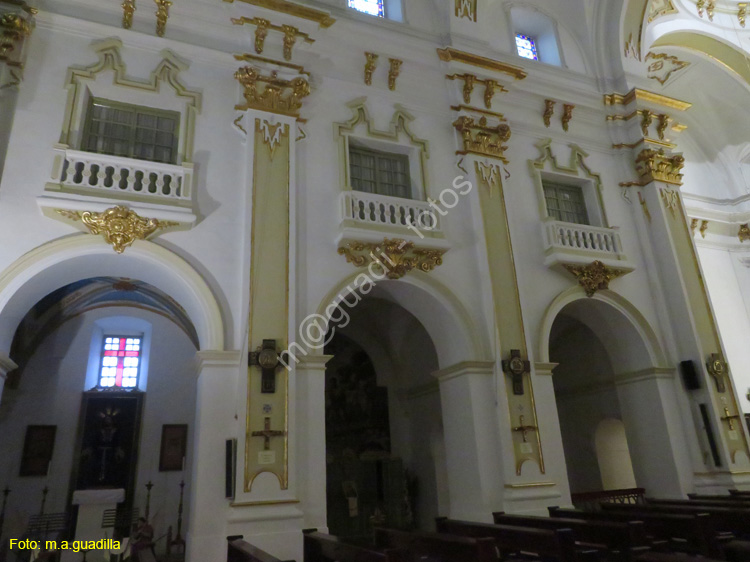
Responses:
[569,238]
[372,215]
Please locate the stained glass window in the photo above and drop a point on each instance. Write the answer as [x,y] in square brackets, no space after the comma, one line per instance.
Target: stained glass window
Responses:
[372,7]
[526,47]
[121,358]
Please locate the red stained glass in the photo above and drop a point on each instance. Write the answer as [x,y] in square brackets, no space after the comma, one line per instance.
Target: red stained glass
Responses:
[120,361]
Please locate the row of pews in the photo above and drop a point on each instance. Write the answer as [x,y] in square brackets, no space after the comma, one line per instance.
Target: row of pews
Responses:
[700,529]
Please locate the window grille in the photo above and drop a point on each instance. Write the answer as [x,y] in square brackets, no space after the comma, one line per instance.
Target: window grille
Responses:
[378,172]
[565,203]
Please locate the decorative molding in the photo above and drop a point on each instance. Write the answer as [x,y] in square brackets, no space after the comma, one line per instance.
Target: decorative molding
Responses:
[162,15]
[703,228]
[119,226]
[14,28]
[664,66]
[671,199]
[662,125]
[660,8]
[449,54]
[393,72]
[466,9]
[278,96]
[128,7]
[479,138]
[742,13]
[549,111]
[393,257]
[646,119]
[323,19]
[639,95]
[262,26]
[594,277]
[567,115]
[652,165]
[489,174]
[272,133]
[370,66]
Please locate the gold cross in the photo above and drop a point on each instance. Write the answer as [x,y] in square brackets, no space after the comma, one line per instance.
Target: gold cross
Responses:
[267,433]
[524,428]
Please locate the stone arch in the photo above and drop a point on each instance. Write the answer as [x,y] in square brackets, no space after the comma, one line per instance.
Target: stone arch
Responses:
[73,258]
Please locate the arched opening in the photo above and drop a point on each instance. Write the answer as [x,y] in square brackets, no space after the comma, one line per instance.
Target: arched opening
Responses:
[100,413]
[385,461]
[613,400]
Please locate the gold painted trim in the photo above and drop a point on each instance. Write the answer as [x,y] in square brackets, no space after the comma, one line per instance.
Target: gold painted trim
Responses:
[323,19]
[500,116]
[644,95]
[248,57]
[531,485]
[450,54]
[262,502]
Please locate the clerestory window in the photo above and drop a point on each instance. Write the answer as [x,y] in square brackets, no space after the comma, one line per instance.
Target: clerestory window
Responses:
[526,47]
[120,361]
[371,7]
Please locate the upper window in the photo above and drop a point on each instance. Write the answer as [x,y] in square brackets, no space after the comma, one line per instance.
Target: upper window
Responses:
[131,131]
[384,173]
[372,7]
[565,203]
[526,47]
[120,361]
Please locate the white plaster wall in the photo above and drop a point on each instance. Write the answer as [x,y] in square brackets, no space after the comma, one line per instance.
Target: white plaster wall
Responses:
[50,392]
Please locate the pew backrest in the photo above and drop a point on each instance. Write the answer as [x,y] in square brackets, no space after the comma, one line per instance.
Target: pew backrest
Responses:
[437,546]
[320,547]
[239,550]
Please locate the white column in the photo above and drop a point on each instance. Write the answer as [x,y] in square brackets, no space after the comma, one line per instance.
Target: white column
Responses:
[218,373]
[6,366]
[311,442]
[472,446]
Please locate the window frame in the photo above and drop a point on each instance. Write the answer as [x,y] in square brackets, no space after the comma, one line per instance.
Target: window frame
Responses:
[559,188]
[379,155]
[534,47]
[105,336]
[137,110]
[383,3]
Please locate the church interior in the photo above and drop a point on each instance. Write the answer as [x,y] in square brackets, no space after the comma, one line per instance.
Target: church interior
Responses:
[353,280]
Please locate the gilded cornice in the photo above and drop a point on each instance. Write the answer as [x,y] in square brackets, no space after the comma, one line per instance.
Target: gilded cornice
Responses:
[277,95]
[636,94]
[393,257]
[652,165]
[450,54]
[595,276]
[323,19]
[479,138]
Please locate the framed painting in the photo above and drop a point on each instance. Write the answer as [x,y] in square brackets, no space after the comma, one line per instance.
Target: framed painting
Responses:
[173,447]
[37,450]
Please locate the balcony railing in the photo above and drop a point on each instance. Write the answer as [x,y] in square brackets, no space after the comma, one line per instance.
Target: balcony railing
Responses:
[370,208]
[569,236]
[116,176]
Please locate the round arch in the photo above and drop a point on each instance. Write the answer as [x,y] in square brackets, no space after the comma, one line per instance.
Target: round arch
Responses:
[633,323]
[66,260]
[445,318]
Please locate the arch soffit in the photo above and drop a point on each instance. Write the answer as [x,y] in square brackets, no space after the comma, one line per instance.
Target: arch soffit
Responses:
[447,321]
[66,260]
[636,320]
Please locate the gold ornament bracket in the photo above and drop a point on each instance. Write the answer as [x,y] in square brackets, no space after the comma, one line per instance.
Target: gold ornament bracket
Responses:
[393,258]
[262,26]
[491,87]
[656,165]
[162,15]
[271,93]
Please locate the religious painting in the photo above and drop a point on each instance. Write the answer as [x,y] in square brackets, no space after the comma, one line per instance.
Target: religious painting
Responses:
[173,447]
[109,435]
[37,450]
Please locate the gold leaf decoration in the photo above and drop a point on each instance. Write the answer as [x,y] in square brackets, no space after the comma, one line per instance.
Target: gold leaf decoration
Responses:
[595,276]
[119,226]
[393,257]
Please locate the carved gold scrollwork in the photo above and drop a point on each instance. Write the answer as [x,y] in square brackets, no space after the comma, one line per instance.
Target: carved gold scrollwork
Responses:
[654,165]
[491,87]
[290,38]
[119,226]
[742,13]
[744,232]
[479,138]
[263,26]
[261,32]
[567,115]
[671,199]
[549,111]
[662,125]
[162,15]
[664,66]
[128,7]
[14,28]
[595,276]
[370,66]
[393,257]
[277,95]
[646,119]
[489,92]
[393,72]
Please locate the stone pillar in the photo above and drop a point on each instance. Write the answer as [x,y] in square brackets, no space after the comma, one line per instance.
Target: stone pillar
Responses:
[218,373]
[311,445]
[472,447]
[6,366]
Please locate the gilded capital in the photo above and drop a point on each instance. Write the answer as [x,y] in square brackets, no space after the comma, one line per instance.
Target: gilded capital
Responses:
[480,138]
[653,165]
[271,93]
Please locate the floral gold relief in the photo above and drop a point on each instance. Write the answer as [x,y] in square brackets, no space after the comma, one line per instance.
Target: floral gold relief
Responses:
[480,138]
[119,226]
[162,15]
[271,93]
[370,66]
[653,165]
[594,277]
[393,72]
[128,7]
[394,257]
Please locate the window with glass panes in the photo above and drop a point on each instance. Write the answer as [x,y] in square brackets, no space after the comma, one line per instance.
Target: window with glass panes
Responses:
[565,203]
[121,361]
[378,172]
[526,47]
[372,7]
[132,131]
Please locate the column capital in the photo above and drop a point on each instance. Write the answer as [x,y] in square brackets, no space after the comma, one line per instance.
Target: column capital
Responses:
[657,165]
[314,362]
[6,366]
[465,368]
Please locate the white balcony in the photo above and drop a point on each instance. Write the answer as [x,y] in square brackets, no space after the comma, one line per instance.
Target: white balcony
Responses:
[580,243]
[368,216]
[119,178]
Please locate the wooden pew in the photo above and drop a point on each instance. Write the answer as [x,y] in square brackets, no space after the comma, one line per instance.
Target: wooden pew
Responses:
[547,544]
[239,550]
[436,547]
[623,541]
[319,547]
[691,533]
[740,493]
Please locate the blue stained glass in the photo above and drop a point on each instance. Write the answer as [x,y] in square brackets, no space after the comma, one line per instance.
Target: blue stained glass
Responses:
[526,47]
[372,7]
